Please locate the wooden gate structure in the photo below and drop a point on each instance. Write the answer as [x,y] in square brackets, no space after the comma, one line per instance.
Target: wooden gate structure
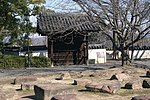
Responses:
[67,36]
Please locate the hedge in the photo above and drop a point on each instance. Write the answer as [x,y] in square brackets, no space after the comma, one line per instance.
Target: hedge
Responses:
[11,61]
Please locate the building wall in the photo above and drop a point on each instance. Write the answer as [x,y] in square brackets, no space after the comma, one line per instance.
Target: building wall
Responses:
[36,53]
[67,51]
[99,55]
[10,53]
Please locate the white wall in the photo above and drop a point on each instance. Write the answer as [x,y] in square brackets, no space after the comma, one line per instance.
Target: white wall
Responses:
[98,54]
[36,53]
[141,54]
[138,54]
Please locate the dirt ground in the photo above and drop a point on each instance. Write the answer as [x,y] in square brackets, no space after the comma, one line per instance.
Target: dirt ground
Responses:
[14,92]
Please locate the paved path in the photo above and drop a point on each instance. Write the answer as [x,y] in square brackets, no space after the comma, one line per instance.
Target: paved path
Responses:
[30,71]
[57,69]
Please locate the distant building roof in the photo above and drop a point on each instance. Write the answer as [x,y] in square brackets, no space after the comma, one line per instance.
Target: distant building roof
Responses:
[57,23]
[37,41]
[32,48]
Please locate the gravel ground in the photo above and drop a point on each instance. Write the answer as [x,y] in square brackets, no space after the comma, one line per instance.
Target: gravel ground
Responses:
[57,69]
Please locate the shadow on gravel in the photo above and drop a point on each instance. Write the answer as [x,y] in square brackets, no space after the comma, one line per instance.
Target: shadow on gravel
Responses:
[18,89]
[143,76]
[90,68]
[84,90]
[32,97]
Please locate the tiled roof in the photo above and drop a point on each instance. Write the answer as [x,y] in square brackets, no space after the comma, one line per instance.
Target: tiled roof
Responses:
[96,46]
[60,23]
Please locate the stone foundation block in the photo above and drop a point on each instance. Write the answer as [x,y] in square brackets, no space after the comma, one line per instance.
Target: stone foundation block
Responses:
[146,83]
[133,85]
[47,91]
[22,79]
[28,85]
[65,97]
[142,97]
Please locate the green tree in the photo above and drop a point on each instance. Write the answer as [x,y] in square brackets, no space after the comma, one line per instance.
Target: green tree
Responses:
[12,14]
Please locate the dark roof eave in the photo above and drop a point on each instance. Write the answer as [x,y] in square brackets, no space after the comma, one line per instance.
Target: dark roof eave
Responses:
[50,33]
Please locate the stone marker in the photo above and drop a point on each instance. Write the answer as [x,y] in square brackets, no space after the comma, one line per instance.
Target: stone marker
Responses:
[65,97]
[120,76]
[47,91]
[21,79]
[148,73]
[146,83]
[142,97]
[133,85]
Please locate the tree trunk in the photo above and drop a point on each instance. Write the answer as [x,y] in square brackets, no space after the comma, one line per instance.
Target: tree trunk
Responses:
[132,52]
[122,53]
[127,56]
[114,47]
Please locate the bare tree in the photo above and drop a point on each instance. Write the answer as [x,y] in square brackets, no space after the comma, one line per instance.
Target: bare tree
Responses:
[125,22]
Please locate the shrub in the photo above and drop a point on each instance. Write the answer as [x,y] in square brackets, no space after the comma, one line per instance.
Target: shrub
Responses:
[11,61]
[40,61]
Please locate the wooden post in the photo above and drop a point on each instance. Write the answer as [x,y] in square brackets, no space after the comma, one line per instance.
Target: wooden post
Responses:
[52,53]
[87,61]
[85,50]
[78,56]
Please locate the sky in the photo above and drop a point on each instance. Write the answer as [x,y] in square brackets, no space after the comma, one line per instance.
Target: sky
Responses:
[61,5]
[58,6]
